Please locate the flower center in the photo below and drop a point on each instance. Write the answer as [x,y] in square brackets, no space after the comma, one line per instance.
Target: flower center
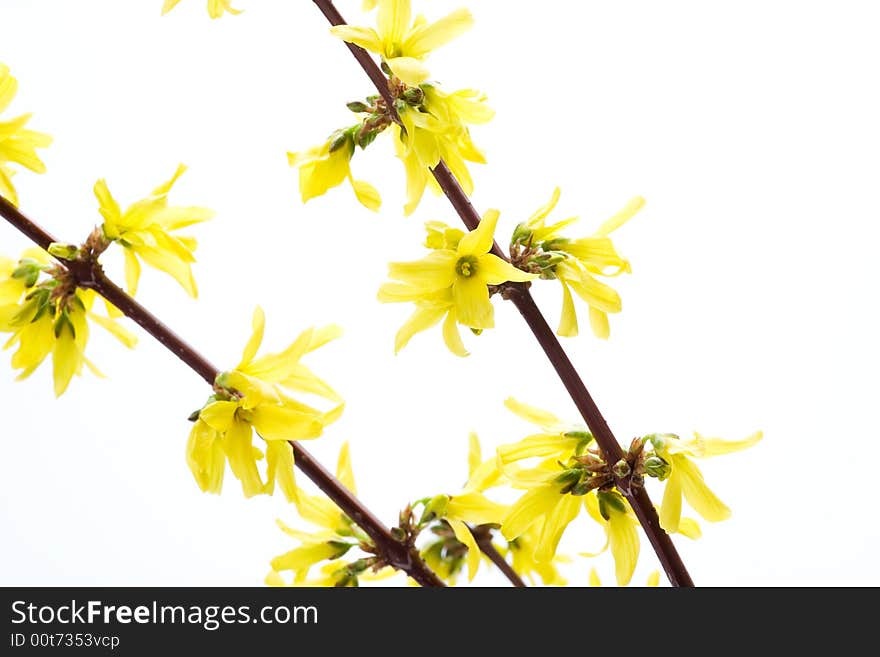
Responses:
[466,266]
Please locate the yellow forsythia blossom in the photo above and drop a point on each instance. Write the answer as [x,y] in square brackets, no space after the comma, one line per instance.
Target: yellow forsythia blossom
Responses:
[336,536]
[686,480]
[522,552]
[577,263]
[255,396]
[329,165]
[17,144]
[216,8]
[451,281]
[49,317]
[402,42]
[145,230]
[434,128]
[471,506]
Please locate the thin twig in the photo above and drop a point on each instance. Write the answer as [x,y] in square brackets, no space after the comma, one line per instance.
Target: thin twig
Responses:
[522,299]
[393,552]
[486,547]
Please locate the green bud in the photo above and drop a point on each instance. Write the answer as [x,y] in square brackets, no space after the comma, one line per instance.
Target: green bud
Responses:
[661,440]
[414,96]
[555,244]
[63,251]
[341,548]
[28,272]
[609,501]
[357,107]
[194,416]
[570,476]
[477,331]
[581,488]
[621,469]
[398,534]
[521,234]
[339,139]
[657,467]
[435,508]
[366,137]
[63,322]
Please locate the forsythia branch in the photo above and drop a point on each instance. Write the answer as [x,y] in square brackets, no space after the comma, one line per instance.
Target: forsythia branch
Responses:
[519,294]
[92,277]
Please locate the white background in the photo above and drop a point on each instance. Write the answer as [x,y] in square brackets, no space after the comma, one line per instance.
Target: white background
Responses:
[750,127]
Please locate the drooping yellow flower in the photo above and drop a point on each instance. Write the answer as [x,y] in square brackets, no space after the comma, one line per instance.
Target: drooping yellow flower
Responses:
[49,317]
[17,144]
[216,8]
[452,282]
[255,396]
[404,43]
[612,511]
[145,231]
[470,507]
[522,552]
[686,480]
[329,165]
[336,535]
[577,263]
[653,580]
[434,128]
[546,505]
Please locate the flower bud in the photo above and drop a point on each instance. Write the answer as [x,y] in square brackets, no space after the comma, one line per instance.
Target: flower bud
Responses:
[657,467]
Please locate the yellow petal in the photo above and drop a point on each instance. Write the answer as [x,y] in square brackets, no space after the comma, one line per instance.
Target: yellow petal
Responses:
[258,328]
[472,305]
[430,37]
[654,579]
[568,322]
[627,213]
[555,525]
[494,271]
[704,447]
[435,271]
[410,70]
[344,472]
[599,323]
[66,361]
[479,241]
[697,493]
[280,469]
[132,272]
[670,509]
[623,539]
[537,219]
[452,337]
[366,194]
[126,337]
[532,414]
[238,445]
[463,534]
[282,423]
[594,578]
[365,37]
[421,320]
[475,454]
[219,415]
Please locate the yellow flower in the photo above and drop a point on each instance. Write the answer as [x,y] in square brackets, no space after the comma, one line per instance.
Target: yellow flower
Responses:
[49,317]
[576,263]
[557,440]
[327,166]
[454,283]
[435,128]
[522,551]
[216,8]
[686,480]
[404,43]
[144,230]
[335,537]
[17,144]
[613,512]
[652,582]
[254,396]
